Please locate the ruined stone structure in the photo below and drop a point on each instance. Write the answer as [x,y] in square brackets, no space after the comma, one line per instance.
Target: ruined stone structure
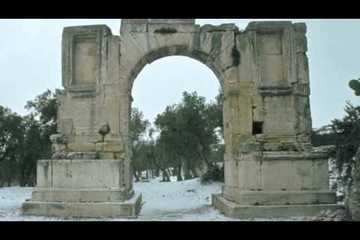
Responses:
[270,167]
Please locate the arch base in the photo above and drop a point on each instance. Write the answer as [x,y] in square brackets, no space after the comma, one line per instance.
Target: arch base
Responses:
[235,210]
[277,184]
[82,188]
[120,209]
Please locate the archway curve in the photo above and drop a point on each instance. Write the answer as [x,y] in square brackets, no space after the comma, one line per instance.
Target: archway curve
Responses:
[177,50]
[169,77]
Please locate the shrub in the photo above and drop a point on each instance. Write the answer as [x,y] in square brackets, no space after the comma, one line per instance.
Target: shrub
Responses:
[213,174]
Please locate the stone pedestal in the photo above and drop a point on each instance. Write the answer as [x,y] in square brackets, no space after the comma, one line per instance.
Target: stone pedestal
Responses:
[242,211]
[82,188]
[276,184]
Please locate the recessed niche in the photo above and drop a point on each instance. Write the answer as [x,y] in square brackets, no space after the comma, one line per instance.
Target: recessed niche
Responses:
[257,128]
[85,56]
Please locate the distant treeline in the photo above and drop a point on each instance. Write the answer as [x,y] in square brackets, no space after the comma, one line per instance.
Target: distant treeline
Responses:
[26,139]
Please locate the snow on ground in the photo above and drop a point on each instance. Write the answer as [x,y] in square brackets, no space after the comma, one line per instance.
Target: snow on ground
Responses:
[185,200]
[163,201]
[11,199]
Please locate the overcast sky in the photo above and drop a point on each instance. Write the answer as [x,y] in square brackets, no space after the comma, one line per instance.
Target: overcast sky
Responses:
[30,63]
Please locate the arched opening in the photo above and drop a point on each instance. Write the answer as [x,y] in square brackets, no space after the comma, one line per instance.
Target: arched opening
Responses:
[157,92]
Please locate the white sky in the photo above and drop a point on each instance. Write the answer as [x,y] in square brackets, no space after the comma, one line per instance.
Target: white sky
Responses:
[30,63]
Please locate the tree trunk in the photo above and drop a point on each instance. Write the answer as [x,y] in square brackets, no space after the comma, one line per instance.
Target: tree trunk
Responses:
[165,176]
[1,180]
[178,175]
[173,171]
[157,172]
[136,177]
[168,170]
[22,177]
[203,158]
[8,178]
[193,171]
[140,175]
[187,174]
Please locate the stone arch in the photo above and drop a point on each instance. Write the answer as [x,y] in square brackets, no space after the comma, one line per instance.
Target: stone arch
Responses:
[265,77]
[177,50]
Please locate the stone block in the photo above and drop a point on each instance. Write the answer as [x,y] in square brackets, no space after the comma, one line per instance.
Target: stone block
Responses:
[79,195]
[120,209]
[234,210]
[282,171]
[80,174]
[256,197]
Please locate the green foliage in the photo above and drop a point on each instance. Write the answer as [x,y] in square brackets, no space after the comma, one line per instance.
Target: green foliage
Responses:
[187,132]
[214,113]
[11,133]
[347,138]
[137,130]
[322,139]
[213,174]
[355,85]
[186,141]
[348,154]
[11,142]
[24,140]
[44,107]
[33,150]
[138,125]
[217,153]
